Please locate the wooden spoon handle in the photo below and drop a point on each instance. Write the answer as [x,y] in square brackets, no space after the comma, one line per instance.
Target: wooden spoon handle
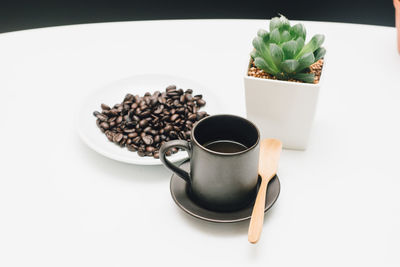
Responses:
[257,216]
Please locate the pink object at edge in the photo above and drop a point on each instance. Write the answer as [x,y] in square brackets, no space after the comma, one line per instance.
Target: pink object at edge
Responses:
[397,6]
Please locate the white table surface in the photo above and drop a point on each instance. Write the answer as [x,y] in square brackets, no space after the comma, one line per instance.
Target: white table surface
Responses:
[61,204]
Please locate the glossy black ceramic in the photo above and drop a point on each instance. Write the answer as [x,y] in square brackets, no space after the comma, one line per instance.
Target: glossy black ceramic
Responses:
[219,181]
[179,191]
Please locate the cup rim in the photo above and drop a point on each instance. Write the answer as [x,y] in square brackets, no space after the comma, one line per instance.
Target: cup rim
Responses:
[193,138]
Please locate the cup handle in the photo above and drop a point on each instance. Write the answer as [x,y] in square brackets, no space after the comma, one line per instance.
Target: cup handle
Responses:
[185,145]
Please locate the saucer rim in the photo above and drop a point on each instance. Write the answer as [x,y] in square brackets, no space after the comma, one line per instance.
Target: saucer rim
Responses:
[218,220]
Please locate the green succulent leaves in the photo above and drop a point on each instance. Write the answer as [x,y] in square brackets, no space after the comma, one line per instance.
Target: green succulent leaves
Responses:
[282,51]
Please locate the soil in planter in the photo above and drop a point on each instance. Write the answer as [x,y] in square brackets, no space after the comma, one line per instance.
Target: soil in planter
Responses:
[315,68]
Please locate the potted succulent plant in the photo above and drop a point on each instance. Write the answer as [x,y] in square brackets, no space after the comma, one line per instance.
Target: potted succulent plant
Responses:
[282,82]
[397,10]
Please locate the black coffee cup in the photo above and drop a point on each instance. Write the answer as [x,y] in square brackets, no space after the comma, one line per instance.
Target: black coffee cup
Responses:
[223,151]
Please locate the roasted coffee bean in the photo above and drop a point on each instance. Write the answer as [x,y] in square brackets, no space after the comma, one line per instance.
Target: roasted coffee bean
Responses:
[150,149]
[192,117]
[109,135]
[104,125]
[131,147]
[143,123]
[128,97]
[136,140]
[188,97]
[129,130]
[170,88]
[147,129]
[182,135]
[168,128]
[102,117]
[118,137]
[132,135]
[141,153]
[173,134]
[131,124]
[145,113]
[148,140]
[174,117]
[201,115]
[201,102]
[119,119]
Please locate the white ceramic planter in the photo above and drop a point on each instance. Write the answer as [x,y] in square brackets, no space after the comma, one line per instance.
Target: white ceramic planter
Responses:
[281,109]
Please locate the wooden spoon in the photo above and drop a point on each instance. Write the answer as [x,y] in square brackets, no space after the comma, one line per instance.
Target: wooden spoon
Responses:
[270,151]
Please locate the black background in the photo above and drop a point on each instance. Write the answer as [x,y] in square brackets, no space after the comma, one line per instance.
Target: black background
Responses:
[27,14]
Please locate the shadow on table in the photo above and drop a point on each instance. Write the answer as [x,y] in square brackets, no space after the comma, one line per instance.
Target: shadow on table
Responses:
[222,229]
[120,170]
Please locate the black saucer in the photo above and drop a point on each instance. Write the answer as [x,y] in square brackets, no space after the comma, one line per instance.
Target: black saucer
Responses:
[178,189]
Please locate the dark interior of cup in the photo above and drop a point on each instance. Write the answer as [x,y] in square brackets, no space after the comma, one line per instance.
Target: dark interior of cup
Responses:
[226,127]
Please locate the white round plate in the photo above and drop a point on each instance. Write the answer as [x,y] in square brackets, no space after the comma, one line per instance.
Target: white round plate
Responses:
[114,93]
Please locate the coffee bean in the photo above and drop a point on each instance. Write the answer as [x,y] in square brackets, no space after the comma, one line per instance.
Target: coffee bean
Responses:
[118,137]
[136,140]
[129,130]
[170,88]
[201,102]
[173,134]
[102,117]
[132,135]
[192,117]
[128,97]
[109,135]
[143,123]
[148,140]
[201,115]
[104,125]
[150,149]
[105,107]
[168,128]
[119,119]
[174,117]
[182,135]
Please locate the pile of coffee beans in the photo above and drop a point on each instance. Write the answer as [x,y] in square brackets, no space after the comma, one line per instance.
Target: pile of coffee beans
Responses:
[143,123]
